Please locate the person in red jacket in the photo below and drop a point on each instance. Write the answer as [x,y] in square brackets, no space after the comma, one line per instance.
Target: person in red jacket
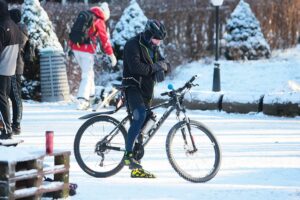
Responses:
[84,54]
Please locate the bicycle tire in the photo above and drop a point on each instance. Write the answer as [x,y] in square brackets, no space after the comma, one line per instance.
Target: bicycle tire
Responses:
[203,140]
[79,150]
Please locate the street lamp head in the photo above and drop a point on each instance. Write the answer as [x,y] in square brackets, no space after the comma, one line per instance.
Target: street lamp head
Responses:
[217,2]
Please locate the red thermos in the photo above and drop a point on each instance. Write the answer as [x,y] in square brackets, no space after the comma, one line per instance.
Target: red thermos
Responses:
[49,142]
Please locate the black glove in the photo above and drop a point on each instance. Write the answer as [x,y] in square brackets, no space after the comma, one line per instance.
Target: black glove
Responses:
[159,76]
[160,65]
[164,64]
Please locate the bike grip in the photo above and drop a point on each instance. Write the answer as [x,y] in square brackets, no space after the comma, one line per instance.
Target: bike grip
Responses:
[164,94]
[193,78]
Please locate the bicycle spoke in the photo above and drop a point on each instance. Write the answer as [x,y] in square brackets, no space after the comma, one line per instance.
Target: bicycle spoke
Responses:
[96,154]
[194,155]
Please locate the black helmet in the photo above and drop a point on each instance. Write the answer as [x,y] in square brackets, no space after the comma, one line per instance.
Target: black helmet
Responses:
[156,28]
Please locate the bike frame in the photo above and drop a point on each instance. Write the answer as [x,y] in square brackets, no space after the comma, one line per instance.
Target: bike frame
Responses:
[152,132]
[174,102]
[171,106]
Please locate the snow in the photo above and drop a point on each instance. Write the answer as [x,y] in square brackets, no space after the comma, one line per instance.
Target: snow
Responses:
[132,21]
[51,185]
[260,156]
[292,97]
[25,173]
[243,81]
[12,154]
[260,153]
[26,191]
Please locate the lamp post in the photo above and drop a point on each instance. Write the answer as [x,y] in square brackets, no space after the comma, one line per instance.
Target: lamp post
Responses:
[216,77]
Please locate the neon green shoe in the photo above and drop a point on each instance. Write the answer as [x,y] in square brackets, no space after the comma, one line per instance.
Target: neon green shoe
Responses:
[141,173]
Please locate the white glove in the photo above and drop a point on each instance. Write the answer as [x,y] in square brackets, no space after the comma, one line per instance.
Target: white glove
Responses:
[113,60]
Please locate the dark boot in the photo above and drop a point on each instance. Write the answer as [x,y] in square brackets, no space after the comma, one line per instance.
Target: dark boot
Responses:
[130,161]
[4,135]
[16,129]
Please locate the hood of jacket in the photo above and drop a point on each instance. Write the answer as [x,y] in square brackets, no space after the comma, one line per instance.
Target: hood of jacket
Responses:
[98,12]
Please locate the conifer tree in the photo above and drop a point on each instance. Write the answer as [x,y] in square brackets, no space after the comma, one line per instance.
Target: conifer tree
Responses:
[244,38]
[41,37]
[132,22]
[39,26]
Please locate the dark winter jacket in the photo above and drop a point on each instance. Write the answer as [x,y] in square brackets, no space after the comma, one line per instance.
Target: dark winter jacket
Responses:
[9,42]
[24,42]
[139,65]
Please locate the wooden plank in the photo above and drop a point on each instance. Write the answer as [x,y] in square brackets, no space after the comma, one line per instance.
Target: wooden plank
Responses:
[4,188]
[7,170]
[63,159]
[56,171]
[23,175]
[25,178]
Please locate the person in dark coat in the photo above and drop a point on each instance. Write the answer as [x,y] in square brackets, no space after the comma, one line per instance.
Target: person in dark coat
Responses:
[16,80]
[143,67]
[9,48]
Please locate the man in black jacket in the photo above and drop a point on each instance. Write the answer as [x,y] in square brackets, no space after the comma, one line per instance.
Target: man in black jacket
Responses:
[143,67]
[16,80]
[9,48]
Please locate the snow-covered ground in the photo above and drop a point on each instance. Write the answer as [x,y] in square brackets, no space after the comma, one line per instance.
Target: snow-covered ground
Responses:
[260,153]
[260,157]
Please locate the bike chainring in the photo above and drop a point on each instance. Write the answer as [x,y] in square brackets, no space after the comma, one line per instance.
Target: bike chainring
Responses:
[138,151]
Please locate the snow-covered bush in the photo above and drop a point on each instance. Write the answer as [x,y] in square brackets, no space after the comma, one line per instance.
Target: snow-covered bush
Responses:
[31,89]
[132,22]
[39,26]
[41,37]
[244,39]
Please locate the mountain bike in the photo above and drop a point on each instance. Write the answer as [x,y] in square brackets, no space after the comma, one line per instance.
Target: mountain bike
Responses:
[192,149]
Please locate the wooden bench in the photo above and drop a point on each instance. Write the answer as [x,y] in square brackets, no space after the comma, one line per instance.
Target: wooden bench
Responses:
[25,179]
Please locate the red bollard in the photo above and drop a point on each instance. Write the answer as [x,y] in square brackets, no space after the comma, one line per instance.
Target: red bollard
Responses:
[49,142]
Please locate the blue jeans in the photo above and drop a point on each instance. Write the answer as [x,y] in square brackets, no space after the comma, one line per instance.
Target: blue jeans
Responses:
[137,105]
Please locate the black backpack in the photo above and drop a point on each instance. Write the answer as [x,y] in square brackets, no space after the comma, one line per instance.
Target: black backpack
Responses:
[80,28]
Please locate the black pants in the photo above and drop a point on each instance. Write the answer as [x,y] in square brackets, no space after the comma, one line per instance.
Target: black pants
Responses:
[16,99]
[5,82]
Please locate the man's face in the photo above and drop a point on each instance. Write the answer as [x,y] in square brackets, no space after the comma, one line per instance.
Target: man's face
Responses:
[156,42]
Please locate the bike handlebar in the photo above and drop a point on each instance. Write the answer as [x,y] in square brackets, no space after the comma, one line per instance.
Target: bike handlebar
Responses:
[188,84]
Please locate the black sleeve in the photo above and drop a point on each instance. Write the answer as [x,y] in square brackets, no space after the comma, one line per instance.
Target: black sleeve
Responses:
[1,39]
[132,57]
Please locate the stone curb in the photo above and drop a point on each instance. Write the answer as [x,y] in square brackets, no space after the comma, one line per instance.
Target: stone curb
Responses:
[268,104]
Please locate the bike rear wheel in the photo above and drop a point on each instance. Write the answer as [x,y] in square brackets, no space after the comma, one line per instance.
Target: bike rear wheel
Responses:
[196,163]
[96,153]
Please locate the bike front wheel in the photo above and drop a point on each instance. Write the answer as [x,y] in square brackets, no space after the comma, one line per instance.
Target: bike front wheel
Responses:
[99,146]
[193,151]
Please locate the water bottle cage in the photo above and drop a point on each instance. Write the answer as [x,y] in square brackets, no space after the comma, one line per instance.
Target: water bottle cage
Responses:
[148,126]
